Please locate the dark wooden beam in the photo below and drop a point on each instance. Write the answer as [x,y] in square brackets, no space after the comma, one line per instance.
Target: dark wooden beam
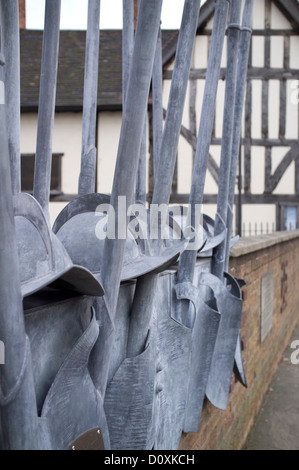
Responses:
[265,109]
[274,32]
[183,198]
[268,169]
[247,139]
[262,32]
[269,142]
[246,199]
[254,73]
[273,180]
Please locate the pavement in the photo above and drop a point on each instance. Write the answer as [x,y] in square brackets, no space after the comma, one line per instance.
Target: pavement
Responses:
[277,424]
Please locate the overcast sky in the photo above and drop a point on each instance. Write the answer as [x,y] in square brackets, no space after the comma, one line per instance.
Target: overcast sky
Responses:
[74,14]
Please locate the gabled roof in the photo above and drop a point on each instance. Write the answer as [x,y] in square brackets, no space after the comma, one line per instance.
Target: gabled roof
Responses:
[70,80]
[290,8]
[206,13]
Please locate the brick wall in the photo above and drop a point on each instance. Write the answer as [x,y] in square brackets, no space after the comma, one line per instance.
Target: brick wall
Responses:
[251,259]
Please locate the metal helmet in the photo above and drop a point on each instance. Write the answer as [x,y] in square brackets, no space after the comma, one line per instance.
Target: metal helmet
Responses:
[77,228]
[206,232]
[43,260]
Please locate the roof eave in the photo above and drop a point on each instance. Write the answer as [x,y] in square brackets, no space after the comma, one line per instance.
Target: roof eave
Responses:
[290,8]
[205,14]
[72,108]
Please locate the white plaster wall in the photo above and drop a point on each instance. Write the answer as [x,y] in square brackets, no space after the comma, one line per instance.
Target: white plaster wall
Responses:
[276,52]
[210,184]
[259,218]
[257,170]
[292,109]
[287,183]
[219,109]
[54,209]
[109,125]
[256,117]
[184,166]
[200,52]
[294,55]
[210,210]
[28,132]
[257,51]
[199,98]
[66,140]
[258,16]
[273,107]
[278,20]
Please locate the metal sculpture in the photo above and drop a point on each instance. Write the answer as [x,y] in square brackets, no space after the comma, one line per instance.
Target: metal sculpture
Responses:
[43,262]
[124,331]
[229,339]
[207,312]
[17,394]
[230,313]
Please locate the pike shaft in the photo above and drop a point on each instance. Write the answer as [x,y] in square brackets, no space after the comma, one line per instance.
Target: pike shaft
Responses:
[188,258]
[244,48]
[171,133]
[131,135]
[18,414]
[11,48]
[157,81]
[227,133]
[88,151]
[46,107]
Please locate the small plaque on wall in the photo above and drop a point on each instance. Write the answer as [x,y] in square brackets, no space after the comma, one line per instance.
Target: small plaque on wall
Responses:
[266,304]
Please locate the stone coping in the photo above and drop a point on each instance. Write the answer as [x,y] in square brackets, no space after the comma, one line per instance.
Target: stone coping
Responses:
[250,244]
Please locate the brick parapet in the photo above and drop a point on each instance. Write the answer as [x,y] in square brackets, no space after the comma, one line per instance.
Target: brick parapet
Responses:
[251,259]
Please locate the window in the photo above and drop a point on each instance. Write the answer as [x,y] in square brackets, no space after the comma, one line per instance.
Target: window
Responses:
[288,216]
[27,173]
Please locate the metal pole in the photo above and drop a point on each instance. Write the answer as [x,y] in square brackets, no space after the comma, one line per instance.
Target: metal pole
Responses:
[127,43]
[244,48]
[18,413]
[157,83]
[46,107]
[146,285]
[141,313]
[188,258]
[130,140]
[87,178]
[227,348]
[140,195]
[10,38]
[127,51]
[218,259]
[172,126]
